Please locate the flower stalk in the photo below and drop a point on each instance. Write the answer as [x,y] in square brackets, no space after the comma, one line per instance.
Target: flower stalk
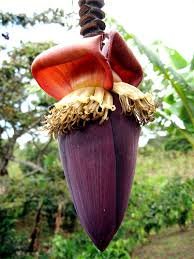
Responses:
[91,17]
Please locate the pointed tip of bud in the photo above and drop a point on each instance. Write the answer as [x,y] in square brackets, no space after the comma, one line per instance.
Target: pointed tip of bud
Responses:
[102,244]
[102,239]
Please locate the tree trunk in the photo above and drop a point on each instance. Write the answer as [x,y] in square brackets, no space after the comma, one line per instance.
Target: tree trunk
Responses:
[6,152]
[3,166]
[34,245]
[58,219]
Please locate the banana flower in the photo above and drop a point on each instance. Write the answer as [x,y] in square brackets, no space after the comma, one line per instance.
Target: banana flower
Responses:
[97,121]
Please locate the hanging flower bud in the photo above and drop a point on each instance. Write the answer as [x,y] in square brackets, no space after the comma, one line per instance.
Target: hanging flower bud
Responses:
[97,121]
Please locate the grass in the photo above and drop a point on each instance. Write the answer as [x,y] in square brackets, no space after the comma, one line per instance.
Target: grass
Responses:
[170,244]
[157,166]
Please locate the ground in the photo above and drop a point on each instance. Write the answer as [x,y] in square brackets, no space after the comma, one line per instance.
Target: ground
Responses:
[169,244]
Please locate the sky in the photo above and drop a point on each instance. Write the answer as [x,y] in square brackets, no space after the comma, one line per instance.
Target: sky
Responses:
[171,21]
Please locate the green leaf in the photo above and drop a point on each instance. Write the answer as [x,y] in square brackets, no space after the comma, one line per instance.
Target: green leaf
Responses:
[192,64]
[177,81]
[170,99]
[188,136]
[177,60]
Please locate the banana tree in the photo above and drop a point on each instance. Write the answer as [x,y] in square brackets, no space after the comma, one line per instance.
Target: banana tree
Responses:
[176,112]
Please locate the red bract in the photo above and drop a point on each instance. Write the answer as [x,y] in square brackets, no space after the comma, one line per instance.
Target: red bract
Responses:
[95,83]
[64,68]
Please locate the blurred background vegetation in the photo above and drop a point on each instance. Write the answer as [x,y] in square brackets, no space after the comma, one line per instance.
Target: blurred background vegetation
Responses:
[37,217]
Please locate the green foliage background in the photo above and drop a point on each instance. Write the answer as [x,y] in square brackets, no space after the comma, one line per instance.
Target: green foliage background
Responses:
[34,199]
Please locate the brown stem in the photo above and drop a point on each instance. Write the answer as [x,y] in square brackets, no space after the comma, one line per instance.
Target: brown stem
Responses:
[33,246]
[91,17]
